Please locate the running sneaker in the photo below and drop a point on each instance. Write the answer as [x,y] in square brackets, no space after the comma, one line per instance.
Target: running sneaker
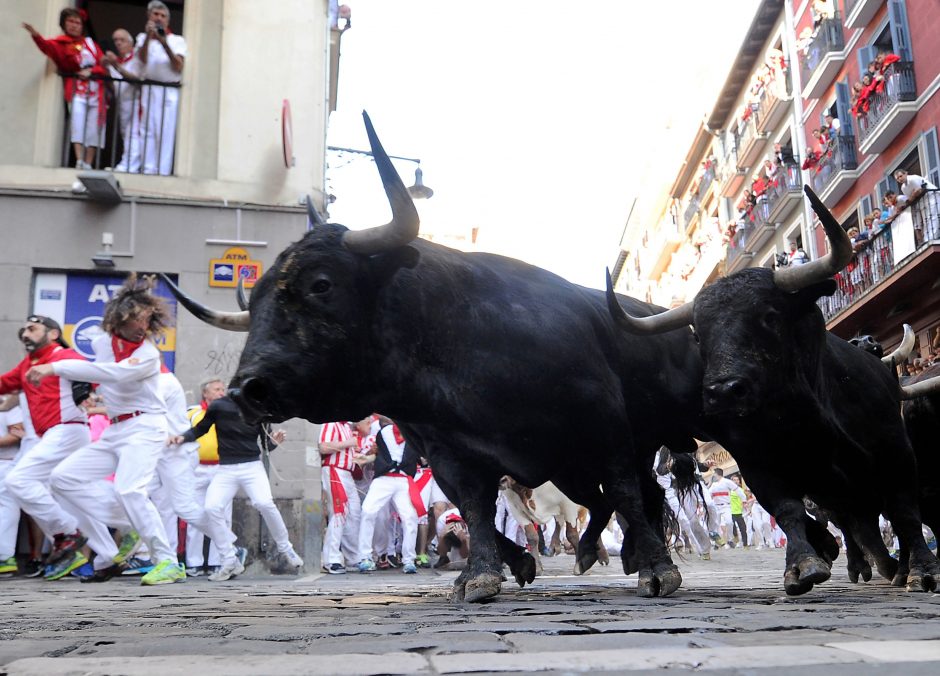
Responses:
[167,571]
[33,568]
[65,545]
[366,566]
[195,571]
[292,559]
[129,544]
[83,570]
[137,566]
[423,561]
[102,575]
[8,566]
[227,571]
[395,560]
[336,569]
[65,566]
[409,569]
[383,563]
[242,555]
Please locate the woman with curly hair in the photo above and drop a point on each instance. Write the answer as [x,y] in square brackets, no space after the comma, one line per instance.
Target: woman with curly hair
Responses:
[127,370]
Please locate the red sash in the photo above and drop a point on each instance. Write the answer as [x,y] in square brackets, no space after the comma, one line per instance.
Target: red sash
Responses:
[337,492]
[414,491]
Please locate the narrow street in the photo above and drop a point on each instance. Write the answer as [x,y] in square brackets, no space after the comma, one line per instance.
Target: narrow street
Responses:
[730,616]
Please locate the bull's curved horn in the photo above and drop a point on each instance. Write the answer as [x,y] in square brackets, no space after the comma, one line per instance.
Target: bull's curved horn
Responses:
[669,320]
[921,389]
[904,349]
[313,214]
[798,277]
[403,227]
[230,321]
[240,296]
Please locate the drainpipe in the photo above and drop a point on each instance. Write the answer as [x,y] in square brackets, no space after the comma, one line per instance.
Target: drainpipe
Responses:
[798,135]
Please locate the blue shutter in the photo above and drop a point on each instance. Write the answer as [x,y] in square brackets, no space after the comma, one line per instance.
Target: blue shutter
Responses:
[931,156]
[843,108]
[865,56]
[900,29]
[882,189]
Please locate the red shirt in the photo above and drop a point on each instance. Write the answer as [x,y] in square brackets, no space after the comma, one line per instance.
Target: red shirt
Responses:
[50,402]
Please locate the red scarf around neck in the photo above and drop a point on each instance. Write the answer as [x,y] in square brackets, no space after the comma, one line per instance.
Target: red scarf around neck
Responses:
[123,348]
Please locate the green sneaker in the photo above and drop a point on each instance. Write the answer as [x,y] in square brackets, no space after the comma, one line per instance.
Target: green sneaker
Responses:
[423,561]
[166,572]
[8,566]
[128,546]
[65,566]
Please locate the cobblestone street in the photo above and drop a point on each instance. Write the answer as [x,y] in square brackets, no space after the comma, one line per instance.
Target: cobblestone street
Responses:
[730,616]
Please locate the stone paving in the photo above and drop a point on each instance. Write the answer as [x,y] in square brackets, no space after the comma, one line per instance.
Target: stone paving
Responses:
[730,616]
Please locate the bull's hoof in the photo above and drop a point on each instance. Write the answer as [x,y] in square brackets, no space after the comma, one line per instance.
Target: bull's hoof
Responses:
[482,587]
[584,562]
[899,579]
[662,580]
[792,583]
[602,556]
[524,570]
[888,569]
[813,570]
[920,581]
[859,568]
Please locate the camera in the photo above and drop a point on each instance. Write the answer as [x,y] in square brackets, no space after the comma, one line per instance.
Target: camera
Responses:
[161,31]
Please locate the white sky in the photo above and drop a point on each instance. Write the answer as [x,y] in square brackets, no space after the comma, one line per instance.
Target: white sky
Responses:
[539,122]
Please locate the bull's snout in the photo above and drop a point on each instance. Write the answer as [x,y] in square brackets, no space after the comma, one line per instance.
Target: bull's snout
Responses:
[252,395]
[729,393]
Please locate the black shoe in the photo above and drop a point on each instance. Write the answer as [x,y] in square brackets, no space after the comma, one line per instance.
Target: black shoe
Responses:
[104,574]
[33,568]
[336,569]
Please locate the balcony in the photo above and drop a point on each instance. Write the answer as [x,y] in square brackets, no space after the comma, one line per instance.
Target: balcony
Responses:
[785,194]
[705,183]
[752,233]
[822,58]
[774,104]
[891,275]
[835,173]
[730,176]
[858,13]
[751,143]
[137,133]
[890,110]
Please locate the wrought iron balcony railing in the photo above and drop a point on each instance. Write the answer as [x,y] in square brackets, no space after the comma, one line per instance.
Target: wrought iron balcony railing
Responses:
[829,38]
[841,156]
[899,85]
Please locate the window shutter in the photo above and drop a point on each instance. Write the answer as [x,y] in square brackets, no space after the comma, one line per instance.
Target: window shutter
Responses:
[882,189]
[842,107]
[864,207]
[931,156]
[865,56]
[900,29]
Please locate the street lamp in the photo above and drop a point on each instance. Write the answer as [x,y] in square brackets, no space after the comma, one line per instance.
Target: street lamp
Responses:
[417,191]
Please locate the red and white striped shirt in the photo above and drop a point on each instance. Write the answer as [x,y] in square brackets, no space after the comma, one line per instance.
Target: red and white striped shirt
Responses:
[337,432]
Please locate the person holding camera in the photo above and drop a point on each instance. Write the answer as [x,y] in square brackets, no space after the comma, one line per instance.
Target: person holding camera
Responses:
[163,54]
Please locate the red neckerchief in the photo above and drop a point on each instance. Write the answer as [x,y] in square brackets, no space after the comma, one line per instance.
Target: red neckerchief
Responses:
[123,348]
[125,59]
[204,405]
[398,437]
[39,356]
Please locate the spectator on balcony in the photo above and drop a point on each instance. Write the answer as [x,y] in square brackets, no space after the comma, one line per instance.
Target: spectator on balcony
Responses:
[163,55]
[125,70]
[822,10]
[770,172]
[912,185]
[78,58]
[783,155]
[890,202]
[796,256]
[833,124]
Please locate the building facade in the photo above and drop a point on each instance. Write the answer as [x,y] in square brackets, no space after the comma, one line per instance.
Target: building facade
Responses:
[250,138]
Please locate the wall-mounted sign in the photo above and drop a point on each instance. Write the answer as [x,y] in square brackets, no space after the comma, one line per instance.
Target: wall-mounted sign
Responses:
[236,263]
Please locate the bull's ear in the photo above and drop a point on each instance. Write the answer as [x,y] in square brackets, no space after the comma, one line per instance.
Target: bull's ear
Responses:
[385,265]
[814,292]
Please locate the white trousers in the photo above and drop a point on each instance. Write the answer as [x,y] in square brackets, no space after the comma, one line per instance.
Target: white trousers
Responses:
[160,105]
[28,481]
[131,127]
[84,121]
[195,537]
[689,523]
[385,489]
[340,543]
[131,450]
[252,479]
[9,514]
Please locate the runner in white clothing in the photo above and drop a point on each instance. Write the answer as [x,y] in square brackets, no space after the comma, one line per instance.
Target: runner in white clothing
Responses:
[127,369]
[721,490]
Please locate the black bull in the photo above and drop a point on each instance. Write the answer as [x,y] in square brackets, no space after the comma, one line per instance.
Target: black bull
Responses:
[804,413]
[488,365]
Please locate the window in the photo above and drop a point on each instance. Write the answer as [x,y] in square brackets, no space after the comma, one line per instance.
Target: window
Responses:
[894,38]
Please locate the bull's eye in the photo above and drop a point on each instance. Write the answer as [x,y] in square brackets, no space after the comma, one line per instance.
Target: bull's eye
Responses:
[321,285]
[771,320]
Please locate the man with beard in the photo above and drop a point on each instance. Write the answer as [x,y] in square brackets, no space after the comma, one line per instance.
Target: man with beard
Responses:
[62,427]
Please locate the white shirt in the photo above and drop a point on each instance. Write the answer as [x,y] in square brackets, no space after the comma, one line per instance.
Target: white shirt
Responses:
[7,419]
[158,61]
[127,386]
[721,492]
[915,182]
